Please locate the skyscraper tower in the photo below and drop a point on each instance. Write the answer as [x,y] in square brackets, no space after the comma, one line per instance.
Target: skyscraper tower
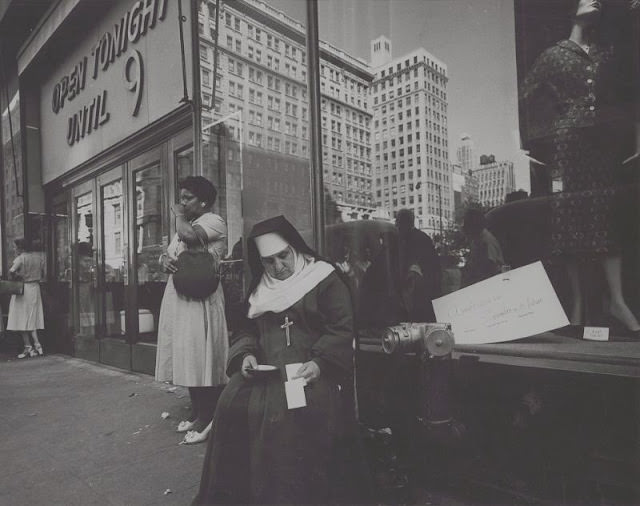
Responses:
[381,51]
[411,148]
[465,154]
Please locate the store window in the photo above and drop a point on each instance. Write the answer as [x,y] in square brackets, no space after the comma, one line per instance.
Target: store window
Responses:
[469,128]
[150,280]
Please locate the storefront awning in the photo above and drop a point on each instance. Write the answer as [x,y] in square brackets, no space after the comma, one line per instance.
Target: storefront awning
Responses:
[48,26]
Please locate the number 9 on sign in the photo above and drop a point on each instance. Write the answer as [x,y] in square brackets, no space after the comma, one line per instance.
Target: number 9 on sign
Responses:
[134,77]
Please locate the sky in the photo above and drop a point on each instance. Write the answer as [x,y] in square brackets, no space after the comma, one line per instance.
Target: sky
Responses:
[475,38]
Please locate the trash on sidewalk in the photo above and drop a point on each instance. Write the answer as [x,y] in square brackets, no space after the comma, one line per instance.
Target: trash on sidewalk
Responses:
[167,492]
[165,415]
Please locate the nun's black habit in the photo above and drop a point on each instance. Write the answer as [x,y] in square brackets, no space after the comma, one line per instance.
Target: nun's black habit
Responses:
[261,452]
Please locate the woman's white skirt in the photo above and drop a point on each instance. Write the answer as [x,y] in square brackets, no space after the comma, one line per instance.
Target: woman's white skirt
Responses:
[193,343]
[25,311]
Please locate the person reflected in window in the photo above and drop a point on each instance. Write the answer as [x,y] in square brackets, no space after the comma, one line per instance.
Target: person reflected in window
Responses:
[25,311]
[485,257]
[578,127]
[86,287]
[192,334]
[418,269]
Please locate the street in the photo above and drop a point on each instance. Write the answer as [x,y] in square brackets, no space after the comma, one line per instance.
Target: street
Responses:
[77,433]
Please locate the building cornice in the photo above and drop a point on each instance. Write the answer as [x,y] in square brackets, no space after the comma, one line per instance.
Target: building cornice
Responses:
[257,11]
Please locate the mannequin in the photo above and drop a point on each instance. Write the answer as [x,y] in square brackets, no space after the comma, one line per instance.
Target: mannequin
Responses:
[575,128]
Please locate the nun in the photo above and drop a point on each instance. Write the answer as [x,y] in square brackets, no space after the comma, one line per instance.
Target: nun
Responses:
[286,419]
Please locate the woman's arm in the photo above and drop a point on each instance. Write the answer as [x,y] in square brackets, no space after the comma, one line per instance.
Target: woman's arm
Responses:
[16,266]
[188,233]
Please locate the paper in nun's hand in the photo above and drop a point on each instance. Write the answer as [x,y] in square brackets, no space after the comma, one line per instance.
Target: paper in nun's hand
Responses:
[294,390]
[292,370]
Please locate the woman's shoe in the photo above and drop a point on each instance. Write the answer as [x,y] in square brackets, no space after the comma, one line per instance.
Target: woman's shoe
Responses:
[39,349]
[28,352]
[185,426]
[192,437]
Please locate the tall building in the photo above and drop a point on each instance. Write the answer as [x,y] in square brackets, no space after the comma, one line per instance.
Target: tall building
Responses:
[381,51]
[465,187]
[465,153]
[495,179]
[411,148]
[261,73]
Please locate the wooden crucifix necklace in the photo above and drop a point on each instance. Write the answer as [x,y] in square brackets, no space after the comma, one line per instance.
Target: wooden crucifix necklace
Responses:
[286,326]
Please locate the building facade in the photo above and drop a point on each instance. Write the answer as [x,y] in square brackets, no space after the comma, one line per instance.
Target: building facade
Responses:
[465,153]
[100,126]
[261,77]
[465,188]
[103,133]
[495,180]
[410,127]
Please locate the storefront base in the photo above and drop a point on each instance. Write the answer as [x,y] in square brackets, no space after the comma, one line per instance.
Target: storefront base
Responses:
[114,352]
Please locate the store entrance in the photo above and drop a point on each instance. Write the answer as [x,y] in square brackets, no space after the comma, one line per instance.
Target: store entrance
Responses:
[106,275]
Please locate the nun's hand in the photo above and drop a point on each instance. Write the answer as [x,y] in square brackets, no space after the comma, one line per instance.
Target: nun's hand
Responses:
[310,371]
[249,363]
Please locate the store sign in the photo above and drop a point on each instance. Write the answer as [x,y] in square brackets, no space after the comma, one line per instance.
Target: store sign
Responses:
[141,17]
[125,74]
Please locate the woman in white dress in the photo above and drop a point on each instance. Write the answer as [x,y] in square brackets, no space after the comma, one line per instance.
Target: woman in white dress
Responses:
[25,311]
[192,334]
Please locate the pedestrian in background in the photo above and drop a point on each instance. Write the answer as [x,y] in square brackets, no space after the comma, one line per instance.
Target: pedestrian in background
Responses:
[192,333]
[25,311]
[485,258]
[419,269]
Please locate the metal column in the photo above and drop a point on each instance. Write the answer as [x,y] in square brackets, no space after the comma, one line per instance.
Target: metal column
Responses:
[313,73]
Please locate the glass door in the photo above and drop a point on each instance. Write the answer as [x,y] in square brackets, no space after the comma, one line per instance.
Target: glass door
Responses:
[148,241]
[84,273]
[112,270]
[61,324]
[107,234]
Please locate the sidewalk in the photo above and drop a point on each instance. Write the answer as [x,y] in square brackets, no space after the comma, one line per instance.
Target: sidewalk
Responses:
[78,433]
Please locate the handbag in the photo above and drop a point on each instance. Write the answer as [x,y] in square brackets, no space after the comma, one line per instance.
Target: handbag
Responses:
[11,287]
[197,274]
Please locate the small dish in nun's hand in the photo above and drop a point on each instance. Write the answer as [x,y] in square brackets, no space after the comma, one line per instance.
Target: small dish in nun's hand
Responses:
[263,369]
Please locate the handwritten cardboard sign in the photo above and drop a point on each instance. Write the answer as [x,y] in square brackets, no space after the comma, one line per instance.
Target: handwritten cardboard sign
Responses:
[506,307]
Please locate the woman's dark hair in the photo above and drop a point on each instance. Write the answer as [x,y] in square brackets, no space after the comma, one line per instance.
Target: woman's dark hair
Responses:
[201,187]
[27,245]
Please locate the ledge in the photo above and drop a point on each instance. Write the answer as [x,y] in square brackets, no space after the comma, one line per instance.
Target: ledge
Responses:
[547,351]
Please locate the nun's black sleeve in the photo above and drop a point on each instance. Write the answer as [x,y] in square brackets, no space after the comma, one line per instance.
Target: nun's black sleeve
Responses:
[333,351]
[244,342]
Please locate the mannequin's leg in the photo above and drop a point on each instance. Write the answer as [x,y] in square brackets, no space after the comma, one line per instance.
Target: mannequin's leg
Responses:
[576,317]
[618,307]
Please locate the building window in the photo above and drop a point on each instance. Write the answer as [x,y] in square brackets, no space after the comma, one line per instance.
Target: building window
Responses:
[204,52]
